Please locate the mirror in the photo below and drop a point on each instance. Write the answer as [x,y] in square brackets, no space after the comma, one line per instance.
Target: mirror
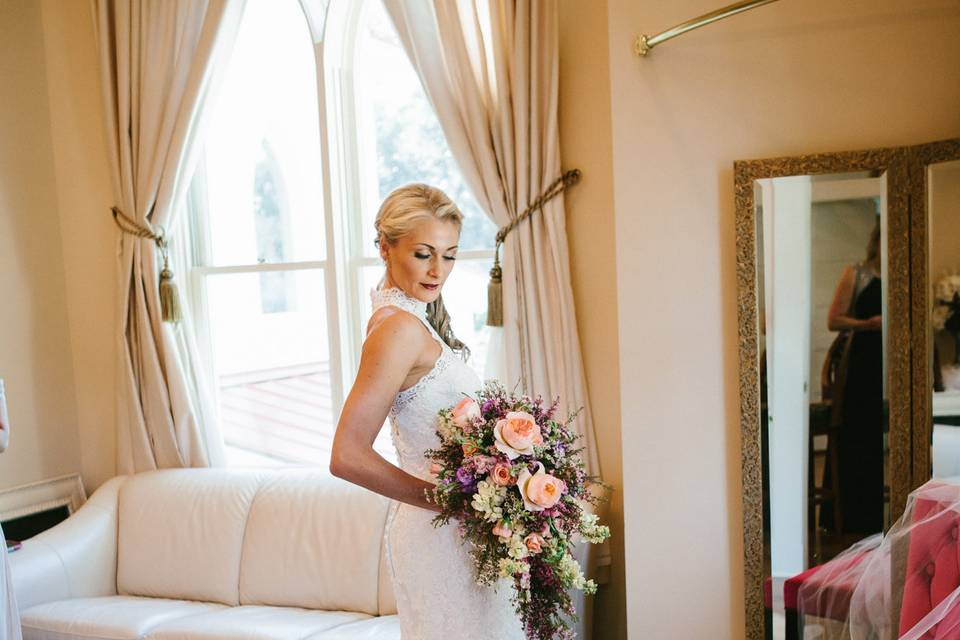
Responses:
[943,227]
[848,292]
[821,242]
[823,271]
[821,300]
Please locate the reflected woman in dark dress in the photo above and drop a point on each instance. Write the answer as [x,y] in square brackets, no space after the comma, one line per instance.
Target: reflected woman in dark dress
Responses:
[857,309]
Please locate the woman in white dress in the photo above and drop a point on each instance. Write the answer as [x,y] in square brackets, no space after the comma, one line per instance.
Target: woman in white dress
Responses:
[9,614]
[412,366]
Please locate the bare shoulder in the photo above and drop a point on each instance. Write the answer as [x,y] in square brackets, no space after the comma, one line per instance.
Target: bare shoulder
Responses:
[394,329]
[394,320]
[849,275]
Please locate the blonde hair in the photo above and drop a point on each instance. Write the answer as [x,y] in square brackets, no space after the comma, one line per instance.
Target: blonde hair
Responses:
[404,209]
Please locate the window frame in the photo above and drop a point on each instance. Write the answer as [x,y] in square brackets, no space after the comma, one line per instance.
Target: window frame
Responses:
[344,170]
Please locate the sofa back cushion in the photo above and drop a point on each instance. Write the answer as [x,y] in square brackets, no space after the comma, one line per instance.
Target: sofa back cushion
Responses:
[180,533]
[313,541]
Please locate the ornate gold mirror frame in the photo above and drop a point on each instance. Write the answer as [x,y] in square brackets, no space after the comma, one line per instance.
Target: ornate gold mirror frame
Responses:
[895,162]
[922,156]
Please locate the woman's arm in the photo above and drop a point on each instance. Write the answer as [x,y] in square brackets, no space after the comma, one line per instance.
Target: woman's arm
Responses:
[837,318]
[390,351]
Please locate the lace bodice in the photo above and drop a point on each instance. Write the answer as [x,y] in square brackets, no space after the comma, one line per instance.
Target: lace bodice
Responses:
[414,411]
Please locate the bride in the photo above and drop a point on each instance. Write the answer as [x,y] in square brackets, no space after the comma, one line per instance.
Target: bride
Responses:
[412,366]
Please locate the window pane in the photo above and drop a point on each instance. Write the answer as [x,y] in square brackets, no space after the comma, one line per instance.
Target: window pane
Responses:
[465,297]
[273,369]
[263,146]
[401,139]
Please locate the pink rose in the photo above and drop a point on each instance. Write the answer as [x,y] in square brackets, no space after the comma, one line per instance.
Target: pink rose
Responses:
[435,468]
[466,411]
[539,490]
[502,530]
[534,542]
[516,434]
[501,475]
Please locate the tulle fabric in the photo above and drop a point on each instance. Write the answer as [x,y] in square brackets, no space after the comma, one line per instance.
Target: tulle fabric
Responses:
[902,585]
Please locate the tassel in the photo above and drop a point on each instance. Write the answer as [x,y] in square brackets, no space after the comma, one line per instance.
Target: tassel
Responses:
[495,293]
[169,298]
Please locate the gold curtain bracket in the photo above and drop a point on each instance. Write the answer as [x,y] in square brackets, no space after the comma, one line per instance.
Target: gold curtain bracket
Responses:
[645,43]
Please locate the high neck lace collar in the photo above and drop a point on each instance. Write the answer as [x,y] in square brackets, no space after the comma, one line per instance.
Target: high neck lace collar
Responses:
[397,298]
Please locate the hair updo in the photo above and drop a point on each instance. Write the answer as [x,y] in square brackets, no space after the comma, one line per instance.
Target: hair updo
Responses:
[403,210]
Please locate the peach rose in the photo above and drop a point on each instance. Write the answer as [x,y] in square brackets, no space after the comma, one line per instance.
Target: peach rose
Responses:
[534,542]
[468,449]
[539,490]
[502,530]
[500,475]
[466,411]
[435,468]
[516,434]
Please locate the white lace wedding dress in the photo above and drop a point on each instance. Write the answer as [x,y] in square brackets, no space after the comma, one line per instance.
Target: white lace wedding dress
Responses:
[434,579]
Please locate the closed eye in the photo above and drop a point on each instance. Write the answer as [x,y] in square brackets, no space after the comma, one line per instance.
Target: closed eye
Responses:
[450,258]
[422,256]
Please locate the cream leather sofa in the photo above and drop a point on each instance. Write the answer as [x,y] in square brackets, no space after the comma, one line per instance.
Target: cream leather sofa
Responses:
[214,554]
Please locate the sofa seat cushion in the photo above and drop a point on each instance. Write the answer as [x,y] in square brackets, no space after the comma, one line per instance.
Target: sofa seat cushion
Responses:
[378,628]
[105,618]
[254,623]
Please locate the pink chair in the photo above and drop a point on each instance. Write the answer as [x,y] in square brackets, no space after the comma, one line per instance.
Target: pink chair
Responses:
[930,572]
[933,559]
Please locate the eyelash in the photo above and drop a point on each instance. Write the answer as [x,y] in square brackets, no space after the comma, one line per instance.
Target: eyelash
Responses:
[426,256]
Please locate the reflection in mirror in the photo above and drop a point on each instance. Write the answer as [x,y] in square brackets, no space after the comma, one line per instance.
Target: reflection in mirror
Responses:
[943,207]
[822,298]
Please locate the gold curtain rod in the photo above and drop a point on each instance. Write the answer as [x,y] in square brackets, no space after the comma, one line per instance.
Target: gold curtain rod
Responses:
[645,43]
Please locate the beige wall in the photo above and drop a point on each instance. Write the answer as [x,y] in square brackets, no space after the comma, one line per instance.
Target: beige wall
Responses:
[34,332]
[586,144]
[84,195]
[784,79]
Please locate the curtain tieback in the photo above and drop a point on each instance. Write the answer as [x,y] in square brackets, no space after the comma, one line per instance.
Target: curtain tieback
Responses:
[169,299]
[495,287]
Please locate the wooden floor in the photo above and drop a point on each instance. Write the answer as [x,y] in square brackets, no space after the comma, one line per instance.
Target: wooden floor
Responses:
[283,417]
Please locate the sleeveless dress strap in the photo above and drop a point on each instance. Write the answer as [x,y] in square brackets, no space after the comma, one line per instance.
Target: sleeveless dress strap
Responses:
[393,297]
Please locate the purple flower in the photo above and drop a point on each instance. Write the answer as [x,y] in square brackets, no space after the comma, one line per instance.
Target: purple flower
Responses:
[465,478]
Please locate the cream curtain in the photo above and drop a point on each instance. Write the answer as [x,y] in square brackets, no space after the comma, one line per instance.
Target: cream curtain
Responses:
[156,60]
[490,70]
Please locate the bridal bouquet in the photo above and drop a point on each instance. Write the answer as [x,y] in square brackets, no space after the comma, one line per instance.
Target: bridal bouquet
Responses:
[509,473]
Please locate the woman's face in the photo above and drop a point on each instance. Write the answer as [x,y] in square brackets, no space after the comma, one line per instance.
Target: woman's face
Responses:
[420,261]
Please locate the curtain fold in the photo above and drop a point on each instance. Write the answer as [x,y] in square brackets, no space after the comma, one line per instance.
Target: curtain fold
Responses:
[491,72]
[157,60]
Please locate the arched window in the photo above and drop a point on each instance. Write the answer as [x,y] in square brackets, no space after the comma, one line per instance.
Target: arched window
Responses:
[321,113]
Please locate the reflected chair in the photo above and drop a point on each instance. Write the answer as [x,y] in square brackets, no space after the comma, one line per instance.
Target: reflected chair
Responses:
[825,420]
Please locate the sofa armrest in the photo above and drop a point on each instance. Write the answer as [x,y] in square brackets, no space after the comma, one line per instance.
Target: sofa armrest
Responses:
[75,559]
